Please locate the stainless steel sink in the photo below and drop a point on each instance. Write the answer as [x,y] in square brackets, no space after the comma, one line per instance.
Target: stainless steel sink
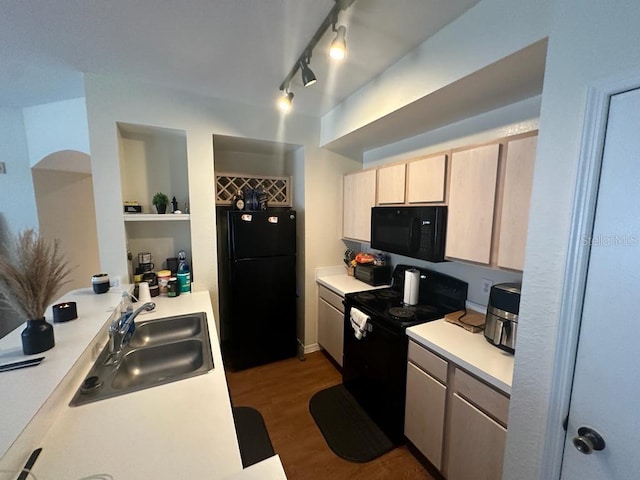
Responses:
[163,330]
[161,351]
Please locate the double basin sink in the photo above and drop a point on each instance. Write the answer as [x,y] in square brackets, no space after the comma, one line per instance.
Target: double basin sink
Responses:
[160,351]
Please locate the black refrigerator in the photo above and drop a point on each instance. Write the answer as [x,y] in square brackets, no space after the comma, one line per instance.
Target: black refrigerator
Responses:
[257,286]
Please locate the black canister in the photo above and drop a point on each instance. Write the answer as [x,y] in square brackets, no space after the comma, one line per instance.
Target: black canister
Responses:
[100,283]
[173,289]
[63,312]
[172,264]
[151,278]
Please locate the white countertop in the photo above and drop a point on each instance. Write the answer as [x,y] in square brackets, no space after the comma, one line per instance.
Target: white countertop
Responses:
[469,351]
[23,392]
[337,280]
[182,429]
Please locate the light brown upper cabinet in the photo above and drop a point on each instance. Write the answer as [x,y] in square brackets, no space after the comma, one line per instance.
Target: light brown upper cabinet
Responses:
[359,197]
[391,184]
[472,192]
[518,180]
[426,179]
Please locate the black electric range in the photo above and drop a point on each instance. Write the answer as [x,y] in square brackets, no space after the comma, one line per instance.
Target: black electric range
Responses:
[439,294]
[375,366]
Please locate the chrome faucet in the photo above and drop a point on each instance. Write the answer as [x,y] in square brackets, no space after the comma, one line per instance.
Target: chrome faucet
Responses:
[119,330]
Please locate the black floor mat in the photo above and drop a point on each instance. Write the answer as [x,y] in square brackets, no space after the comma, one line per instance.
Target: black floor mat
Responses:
[348,430]
[253,439]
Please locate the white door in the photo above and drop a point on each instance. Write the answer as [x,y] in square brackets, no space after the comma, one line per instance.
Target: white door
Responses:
[606,389]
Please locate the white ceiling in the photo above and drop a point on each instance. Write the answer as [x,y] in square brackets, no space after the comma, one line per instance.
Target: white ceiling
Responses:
[235,49]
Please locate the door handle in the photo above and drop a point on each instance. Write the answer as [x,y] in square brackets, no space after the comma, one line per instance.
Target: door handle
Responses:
[588,440]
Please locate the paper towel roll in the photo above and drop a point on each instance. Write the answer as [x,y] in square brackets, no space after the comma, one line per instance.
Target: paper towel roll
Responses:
[411,286]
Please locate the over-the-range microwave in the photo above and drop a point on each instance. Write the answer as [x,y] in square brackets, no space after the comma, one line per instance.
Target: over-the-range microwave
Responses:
[416,232]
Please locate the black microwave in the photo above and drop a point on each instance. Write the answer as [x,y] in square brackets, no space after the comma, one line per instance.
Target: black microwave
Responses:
[416,232]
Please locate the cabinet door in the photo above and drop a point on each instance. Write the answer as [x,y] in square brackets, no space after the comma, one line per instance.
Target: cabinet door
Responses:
[471,203]
[426,179]
[476,443]
[359,197]
[520,159]
[391,182]
[330,329]
[424,413]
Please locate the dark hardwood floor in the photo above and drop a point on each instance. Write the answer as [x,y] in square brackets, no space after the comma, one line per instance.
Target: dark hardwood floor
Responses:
[281,392]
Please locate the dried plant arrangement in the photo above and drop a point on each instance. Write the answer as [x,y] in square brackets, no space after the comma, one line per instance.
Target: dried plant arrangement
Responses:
[32,271]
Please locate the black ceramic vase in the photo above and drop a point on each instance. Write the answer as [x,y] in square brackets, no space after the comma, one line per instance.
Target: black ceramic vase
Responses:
[37,337]
[161,208]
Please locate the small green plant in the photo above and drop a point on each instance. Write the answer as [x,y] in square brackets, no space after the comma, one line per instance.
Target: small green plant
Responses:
[160,199]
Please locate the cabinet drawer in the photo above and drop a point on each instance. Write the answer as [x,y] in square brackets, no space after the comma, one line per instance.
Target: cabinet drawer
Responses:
[331,298]
[429,362]
[492,402]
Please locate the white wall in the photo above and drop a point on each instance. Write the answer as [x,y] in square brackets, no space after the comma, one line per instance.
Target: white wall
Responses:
[249,163]
[56,126]
[486,33]
[66,212]
[111,100]
[17,199]
[590,40]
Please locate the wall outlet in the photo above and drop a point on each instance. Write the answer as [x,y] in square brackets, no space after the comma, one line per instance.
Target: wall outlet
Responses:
[486,285]
[3,168]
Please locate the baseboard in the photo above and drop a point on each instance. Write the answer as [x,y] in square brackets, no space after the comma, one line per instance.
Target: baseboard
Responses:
[314,347]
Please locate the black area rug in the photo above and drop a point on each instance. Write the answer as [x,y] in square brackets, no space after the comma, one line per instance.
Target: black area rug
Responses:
[346,427]
[253,438]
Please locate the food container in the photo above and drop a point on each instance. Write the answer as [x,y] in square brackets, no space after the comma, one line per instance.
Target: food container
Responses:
[163,280]
[184,282]
[173,289]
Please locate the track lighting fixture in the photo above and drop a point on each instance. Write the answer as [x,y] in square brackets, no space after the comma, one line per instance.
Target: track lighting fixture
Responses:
[338,47]
[285,101]
[308,77]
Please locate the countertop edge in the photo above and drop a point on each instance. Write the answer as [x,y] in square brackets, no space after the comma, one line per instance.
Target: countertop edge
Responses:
[474,368]
[342,284]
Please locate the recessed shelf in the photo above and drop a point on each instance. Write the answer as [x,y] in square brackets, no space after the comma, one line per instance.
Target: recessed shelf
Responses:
[156,217]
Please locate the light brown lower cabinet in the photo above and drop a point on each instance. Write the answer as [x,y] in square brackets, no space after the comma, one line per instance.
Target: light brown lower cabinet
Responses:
[455,420]
[424,413]
[330,323]
[476,443]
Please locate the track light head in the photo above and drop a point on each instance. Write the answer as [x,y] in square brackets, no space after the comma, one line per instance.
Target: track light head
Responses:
[285,101]
[338,48]
[308,77]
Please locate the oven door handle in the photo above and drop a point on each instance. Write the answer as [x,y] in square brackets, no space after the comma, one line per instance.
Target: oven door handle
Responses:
[372,325]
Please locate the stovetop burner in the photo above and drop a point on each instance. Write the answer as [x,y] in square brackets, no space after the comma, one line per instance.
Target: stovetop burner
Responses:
[366,296]
[388,294]
[401,312]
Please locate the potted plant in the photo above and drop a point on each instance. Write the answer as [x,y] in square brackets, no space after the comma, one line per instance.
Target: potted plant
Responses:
[32,271]
[160,200]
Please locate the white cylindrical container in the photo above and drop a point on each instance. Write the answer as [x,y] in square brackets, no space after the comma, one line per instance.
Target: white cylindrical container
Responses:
[411,286]
[144,295]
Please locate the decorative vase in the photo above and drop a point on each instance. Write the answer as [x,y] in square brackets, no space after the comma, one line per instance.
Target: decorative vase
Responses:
[161,208]
[37,337]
